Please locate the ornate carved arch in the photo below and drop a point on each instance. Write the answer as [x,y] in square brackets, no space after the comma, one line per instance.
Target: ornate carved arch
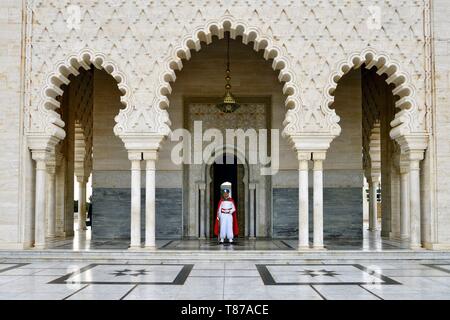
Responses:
[51,123]
[192,41]
[406,120]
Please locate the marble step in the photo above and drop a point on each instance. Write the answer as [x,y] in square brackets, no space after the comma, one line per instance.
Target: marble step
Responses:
[193,255]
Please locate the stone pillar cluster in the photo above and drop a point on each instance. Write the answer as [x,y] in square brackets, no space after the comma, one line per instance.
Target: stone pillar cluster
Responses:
[143,150]
[303,187]
[136,159]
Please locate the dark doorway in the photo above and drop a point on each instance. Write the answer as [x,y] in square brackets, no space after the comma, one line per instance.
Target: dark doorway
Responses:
[227,169]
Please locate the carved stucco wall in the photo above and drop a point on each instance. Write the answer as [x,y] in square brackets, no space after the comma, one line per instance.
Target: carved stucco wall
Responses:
[141,43]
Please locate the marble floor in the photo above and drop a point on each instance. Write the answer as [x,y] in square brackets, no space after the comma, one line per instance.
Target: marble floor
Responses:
[218,280]
[371,241]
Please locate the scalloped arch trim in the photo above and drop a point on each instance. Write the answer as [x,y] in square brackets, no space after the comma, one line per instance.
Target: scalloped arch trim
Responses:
[52,123]
[249,34]
[404,120]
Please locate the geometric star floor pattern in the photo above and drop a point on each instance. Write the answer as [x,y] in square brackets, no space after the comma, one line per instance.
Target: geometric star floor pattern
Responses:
[241,280]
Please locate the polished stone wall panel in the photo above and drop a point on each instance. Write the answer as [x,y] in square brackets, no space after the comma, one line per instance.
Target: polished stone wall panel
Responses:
[343,213]
[111,213]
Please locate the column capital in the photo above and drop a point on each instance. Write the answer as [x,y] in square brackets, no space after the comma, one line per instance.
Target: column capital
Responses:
[303,156]
[141,142]
[41,146]
[134,155]
[319,155]
[151,154]
[304,142]
[82,179]
[415,155]
[375,177]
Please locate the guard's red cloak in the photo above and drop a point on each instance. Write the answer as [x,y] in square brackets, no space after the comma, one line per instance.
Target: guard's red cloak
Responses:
[235,222]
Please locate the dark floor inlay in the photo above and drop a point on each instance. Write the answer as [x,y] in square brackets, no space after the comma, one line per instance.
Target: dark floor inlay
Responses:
[320,274]
[444,267]
[317,273]
[137,274]
[128,272]
[11,266]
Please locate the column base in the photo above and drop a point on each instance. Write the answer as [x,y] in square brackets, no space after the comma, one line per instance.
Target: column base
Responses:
[303,248]
[385,234]
[319,248]
[404,237]
[417,247]
[40,246]
[69,234]
[150,248]
[135,248]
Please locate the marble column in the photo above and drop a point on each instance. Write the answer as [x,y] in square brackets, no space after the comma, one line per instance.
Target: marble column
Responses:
[203,216]
[252,193]
[39,228]
[150,203]
[405,213]
[51,200]
[318,158]
[60,195]
[373,208]
[414,180]
[303,210]
[135,230]
[81,203]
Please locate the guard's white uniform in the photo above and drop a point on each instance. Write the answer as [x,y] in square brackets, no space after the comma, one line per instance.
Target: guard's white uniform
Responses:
[226,210]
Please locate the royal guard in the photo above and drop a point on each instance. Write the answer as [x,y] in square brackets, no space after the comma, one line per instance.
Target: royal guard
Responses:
[226,219]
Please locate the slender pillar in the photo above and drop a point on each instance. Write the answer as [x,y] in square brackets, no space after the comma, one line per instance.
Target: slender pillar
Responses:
[135,238]
[303,221]
[415,233]
[150,208]
[252,189]
[51,201]
[318,200]
[60,195]
[39,229]
[203,216]
[81,203]
[374,174]
[373,209]
[405,220]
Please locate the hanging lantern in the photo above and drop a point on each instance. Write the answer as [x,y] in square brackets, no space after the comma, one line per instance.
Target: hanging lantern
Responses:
[228,104]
